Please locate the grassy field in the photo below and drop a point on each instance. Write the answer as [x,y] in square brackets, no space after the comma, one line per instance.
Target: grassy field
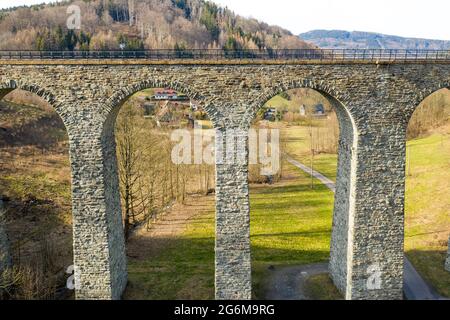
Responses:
[291,224]
[35,184]
[427,208]
[297,143]
[321,287]
[427,219]
[175,266]
[281,234]
[35,170]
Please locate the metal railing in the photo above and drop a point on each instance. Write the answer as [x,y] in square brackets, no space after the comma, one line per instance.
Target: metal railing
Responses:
[381,55]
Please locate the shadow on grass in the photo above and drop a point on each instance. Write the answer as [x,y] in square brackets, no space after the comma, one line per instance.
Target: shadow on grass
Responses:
[307,204]
[313,234]
[183,268]
[298,198]
[295,189]
[171,268]
[430,265]
[39,128]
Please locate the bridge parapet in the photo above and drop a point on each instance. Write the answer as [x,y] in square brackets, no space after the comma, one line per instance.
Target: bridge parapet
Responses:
[211,56]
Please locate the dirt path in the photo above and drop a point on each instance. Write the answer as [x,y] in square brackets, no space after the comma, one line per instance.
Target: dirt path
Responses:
[327,182]
[169,226]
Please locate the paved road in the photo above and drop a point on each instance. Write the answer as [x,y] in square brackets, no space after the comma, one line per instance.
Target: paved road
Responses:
[414,286]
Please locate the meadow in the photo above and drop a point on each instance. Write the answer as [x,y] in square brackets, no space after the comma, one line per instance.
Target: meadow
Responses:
[291,225]
[281,234]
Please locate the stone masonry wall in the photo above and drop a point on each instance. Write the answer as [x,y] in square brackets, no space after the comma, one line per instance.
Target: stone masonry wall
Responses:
[5,252]
[368,221]
[344,196]
[233,263]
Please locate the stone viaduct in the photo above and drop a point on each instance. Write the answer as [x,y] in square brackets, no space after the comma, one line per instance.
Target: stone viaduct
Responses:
[374,102]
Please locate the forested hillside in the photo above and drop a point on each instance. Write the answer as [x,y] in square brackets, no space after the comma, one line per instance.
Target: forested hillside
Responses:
[139,24]
[339,39]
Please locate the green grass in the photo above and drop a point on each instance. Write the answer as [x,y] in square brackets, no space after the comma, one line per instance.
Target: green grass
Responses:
[427,222]
[298,145]
[37,184]
[280,234]
[321,287]
[145,93]
[183,270]
[291,224]
[279,102]
[427,208]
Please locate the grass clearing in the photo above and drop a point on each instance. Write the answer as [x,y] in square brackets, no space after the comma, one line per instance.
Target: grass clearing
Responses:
[178,266]
[321,287]
[280,235]
[297,142]
[290,224]
[427,208]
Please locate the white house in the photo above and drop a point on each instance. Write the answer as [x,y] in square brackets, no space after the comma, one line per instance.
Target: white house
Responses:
[166,94]
[302,110]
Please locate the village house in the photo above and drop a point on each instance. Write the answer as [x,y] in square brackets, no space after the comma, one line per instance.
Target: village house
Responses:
[302,110]
[270,114]
[166,94]
[319,110]
[169,94]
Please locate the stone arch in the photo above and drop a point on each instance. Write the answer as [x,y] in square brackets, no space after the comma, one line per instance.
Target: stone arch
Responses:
[57,107]
[11,85]
[114,103]
[108,117]
[111,111]
[418,99]
[422,95]
[327,90]
[343,215]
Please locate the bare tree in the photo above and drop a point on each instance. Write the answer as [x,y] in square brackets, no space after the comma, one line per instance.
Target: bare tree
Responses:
[129,160]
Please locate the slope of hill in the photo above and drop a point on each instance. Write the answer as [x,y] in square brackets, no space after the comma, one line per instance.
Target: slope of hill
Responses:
[333,39]
[139,24]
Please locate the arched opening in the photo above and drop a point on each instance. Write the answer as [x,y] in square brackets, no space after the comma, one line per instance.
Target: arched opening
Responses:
[35,197]
[162,142]
[427,205]
[299,209]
